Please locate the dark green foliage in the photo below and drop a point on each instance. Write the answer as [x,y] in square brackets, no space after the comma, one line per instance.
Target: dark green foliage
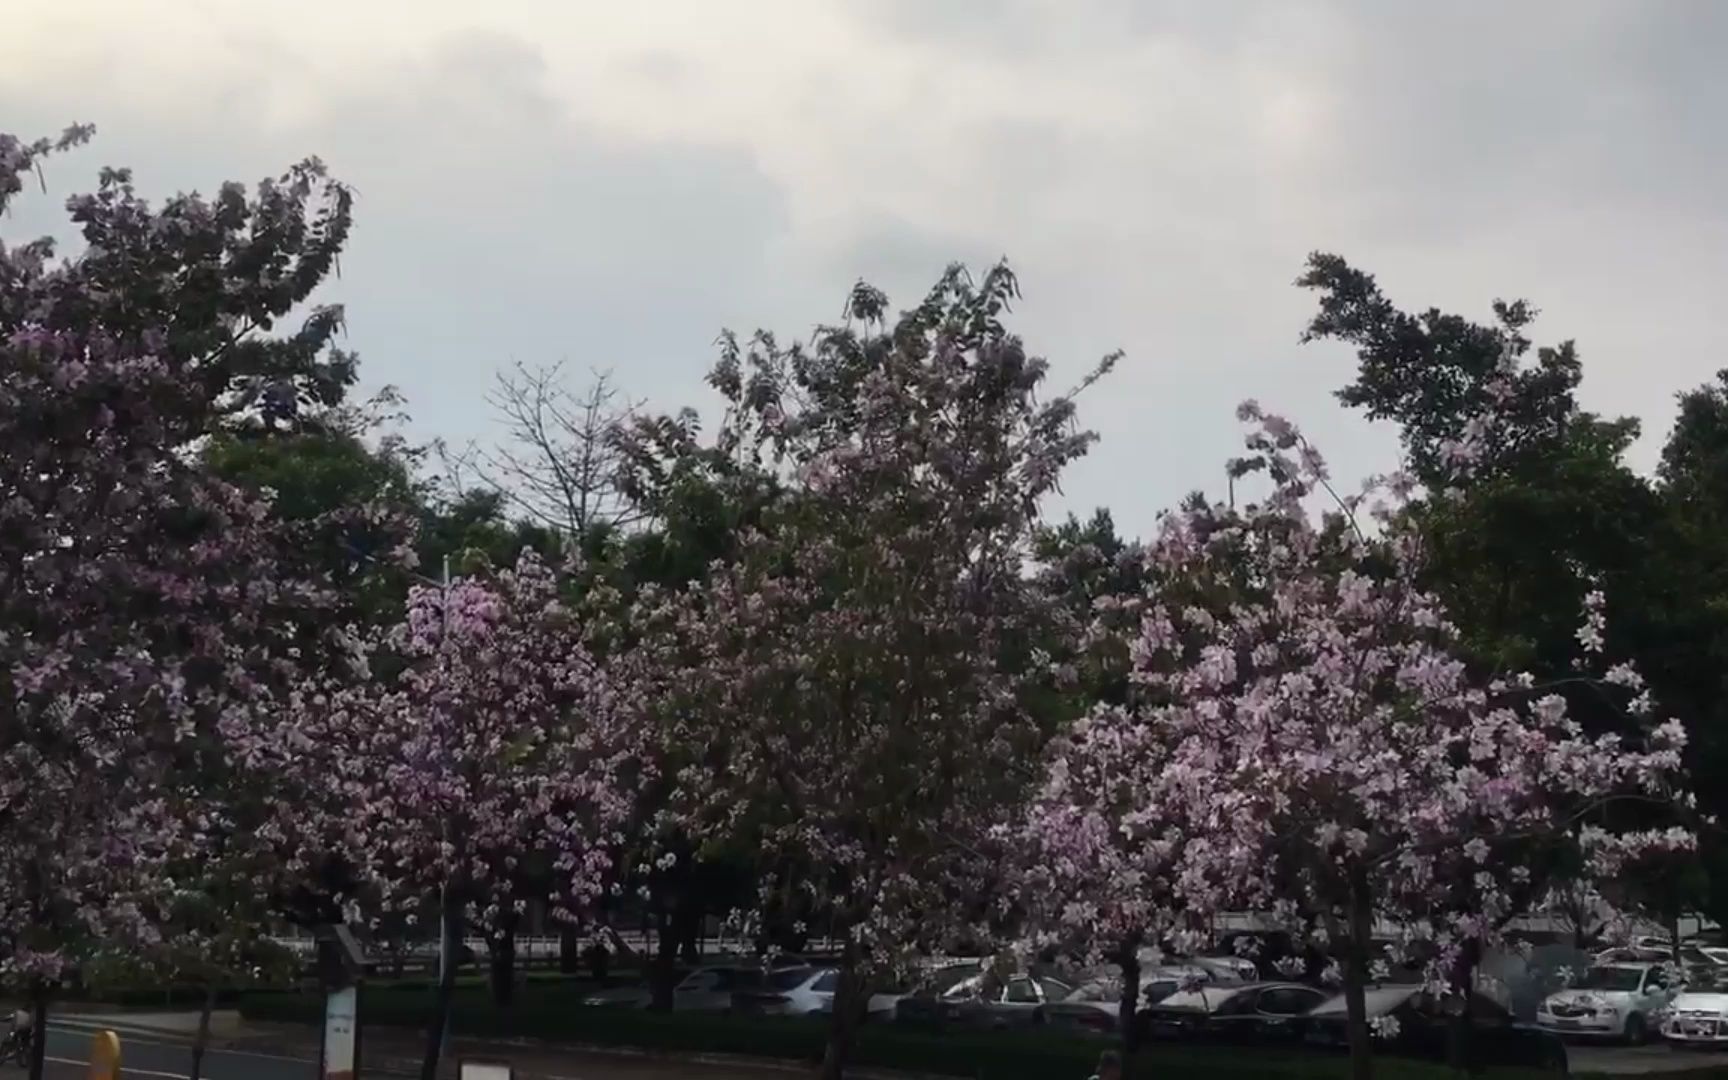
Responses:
[1550,511]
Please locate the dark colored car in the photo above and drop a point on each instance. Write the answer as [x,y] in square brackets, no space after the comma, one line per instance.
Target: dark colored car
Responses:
[925,1006]
[1413,1023]
[1245,1013]
[983,1000]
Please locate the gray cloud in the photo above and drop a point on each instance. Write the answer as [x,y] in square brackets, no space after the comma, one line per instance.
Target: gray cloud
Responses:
[616,189]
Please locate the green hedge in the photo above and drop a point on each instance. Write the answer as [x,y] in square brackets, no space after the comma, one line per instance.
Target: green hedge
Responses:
[559,1017]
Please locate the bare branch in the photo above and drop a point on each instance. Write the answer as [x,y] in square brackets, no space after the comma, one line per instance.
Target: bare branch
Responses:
[559,462]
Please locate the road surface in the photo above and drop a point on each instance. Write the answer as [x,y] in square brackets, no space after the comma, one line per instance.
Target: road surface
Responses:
[140,1056]
[153,1057]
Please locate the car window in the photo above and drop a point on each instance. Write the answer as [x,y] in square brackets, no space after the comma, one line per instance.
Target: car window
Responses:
[1021,991]
[697,981]
[1611,978]
[1105,989]
[828,983]
[1289,1001]
[1054,989]
[1657,979]
[1238,1004]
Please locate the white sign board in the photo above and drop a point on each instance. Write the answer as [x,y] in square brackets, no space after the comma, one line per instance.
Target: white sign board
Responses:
[484,1070]
[339,1041]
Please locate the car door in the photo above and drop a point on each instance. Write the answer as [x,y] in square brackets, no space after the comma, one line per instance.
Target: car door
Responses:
[700,991]
[1279,1012]
[1234,1021]
[970,1001]
[1018,1002]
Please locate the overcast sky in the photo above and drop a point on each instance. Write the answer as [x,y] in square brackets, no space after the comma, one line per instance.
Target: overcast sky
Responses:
[612,183]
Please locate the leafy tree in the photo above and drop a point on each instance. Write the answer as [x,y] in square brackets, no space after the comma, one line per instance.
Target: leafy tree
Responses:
[146,604]
[1308,742]
[1529,502]
[848,688]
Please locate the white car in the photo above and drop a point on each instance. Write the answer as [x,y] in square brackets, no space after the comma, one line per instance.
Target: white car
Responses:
[707,989]
[1696,1018]
[1617,1001]
[804,991]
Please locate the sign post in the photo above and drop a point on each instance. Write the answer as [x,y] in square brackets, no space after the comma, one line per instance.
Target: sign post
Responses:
[484,1070]
[341,964]
[341,1058]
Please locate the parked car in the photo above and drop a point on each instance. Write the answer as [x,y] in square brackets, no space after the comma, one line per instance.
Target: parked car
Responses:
[707,989]
[787,992]
[1409,1021]
[1248,1012]
[806,991]
[1616,1001]
[1094,1008]
[1225,969]
[924,1005]
[985,1000]
[1697,1016]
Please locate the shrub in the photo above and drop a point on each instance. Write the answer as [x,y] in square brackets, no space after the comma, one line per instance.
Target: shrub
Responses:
[556,1016]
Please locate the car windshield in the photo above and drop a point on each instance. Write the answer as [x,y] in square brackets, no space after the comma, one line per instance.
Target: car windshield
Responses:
[790,978]
[1204,1000]
[828,983]
[1105,989]
[1611,978]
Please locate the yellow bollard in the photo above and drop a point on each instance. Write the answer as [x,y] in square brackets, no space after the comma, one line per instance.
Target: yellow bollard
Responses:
[105,1056]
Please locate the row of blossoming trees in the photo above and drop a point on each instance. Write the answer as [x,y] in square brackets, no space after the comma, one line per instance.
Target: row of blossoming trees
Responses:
[871,694]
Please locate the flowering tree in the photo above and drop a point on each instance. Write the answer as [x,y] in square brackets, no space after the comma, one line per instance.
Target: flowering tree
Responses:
[141,600]
[1322,751]
[852,690]
[500,753]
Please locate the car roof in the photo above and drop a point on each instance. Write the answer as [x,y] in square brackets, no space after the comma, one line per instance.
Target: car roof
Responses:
[1378,1000]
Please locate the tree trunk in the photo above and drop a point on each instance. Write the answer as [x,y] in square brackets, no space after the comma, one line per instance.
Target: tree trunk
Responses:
[1360,939]
[450,940]
[38,1028]
[1127,1011]
[663,975]
[687,925]
[201,1042]
[569,949]
[502,959]
[850,1004]
[1458,1048]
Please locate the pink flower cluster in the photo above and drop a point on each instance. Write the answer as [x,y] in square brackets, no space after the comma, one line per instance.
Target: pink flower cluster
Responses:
[1307,739]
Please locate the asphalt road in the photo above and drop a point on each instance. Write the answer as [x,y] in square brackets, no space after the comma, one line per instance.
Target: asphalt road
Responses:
[150,1058]
[69,1056]
[155,1058]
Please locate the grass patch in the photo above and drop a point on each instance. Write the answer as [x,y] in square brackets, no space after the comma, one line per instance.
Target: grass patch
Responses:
[554,1013]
